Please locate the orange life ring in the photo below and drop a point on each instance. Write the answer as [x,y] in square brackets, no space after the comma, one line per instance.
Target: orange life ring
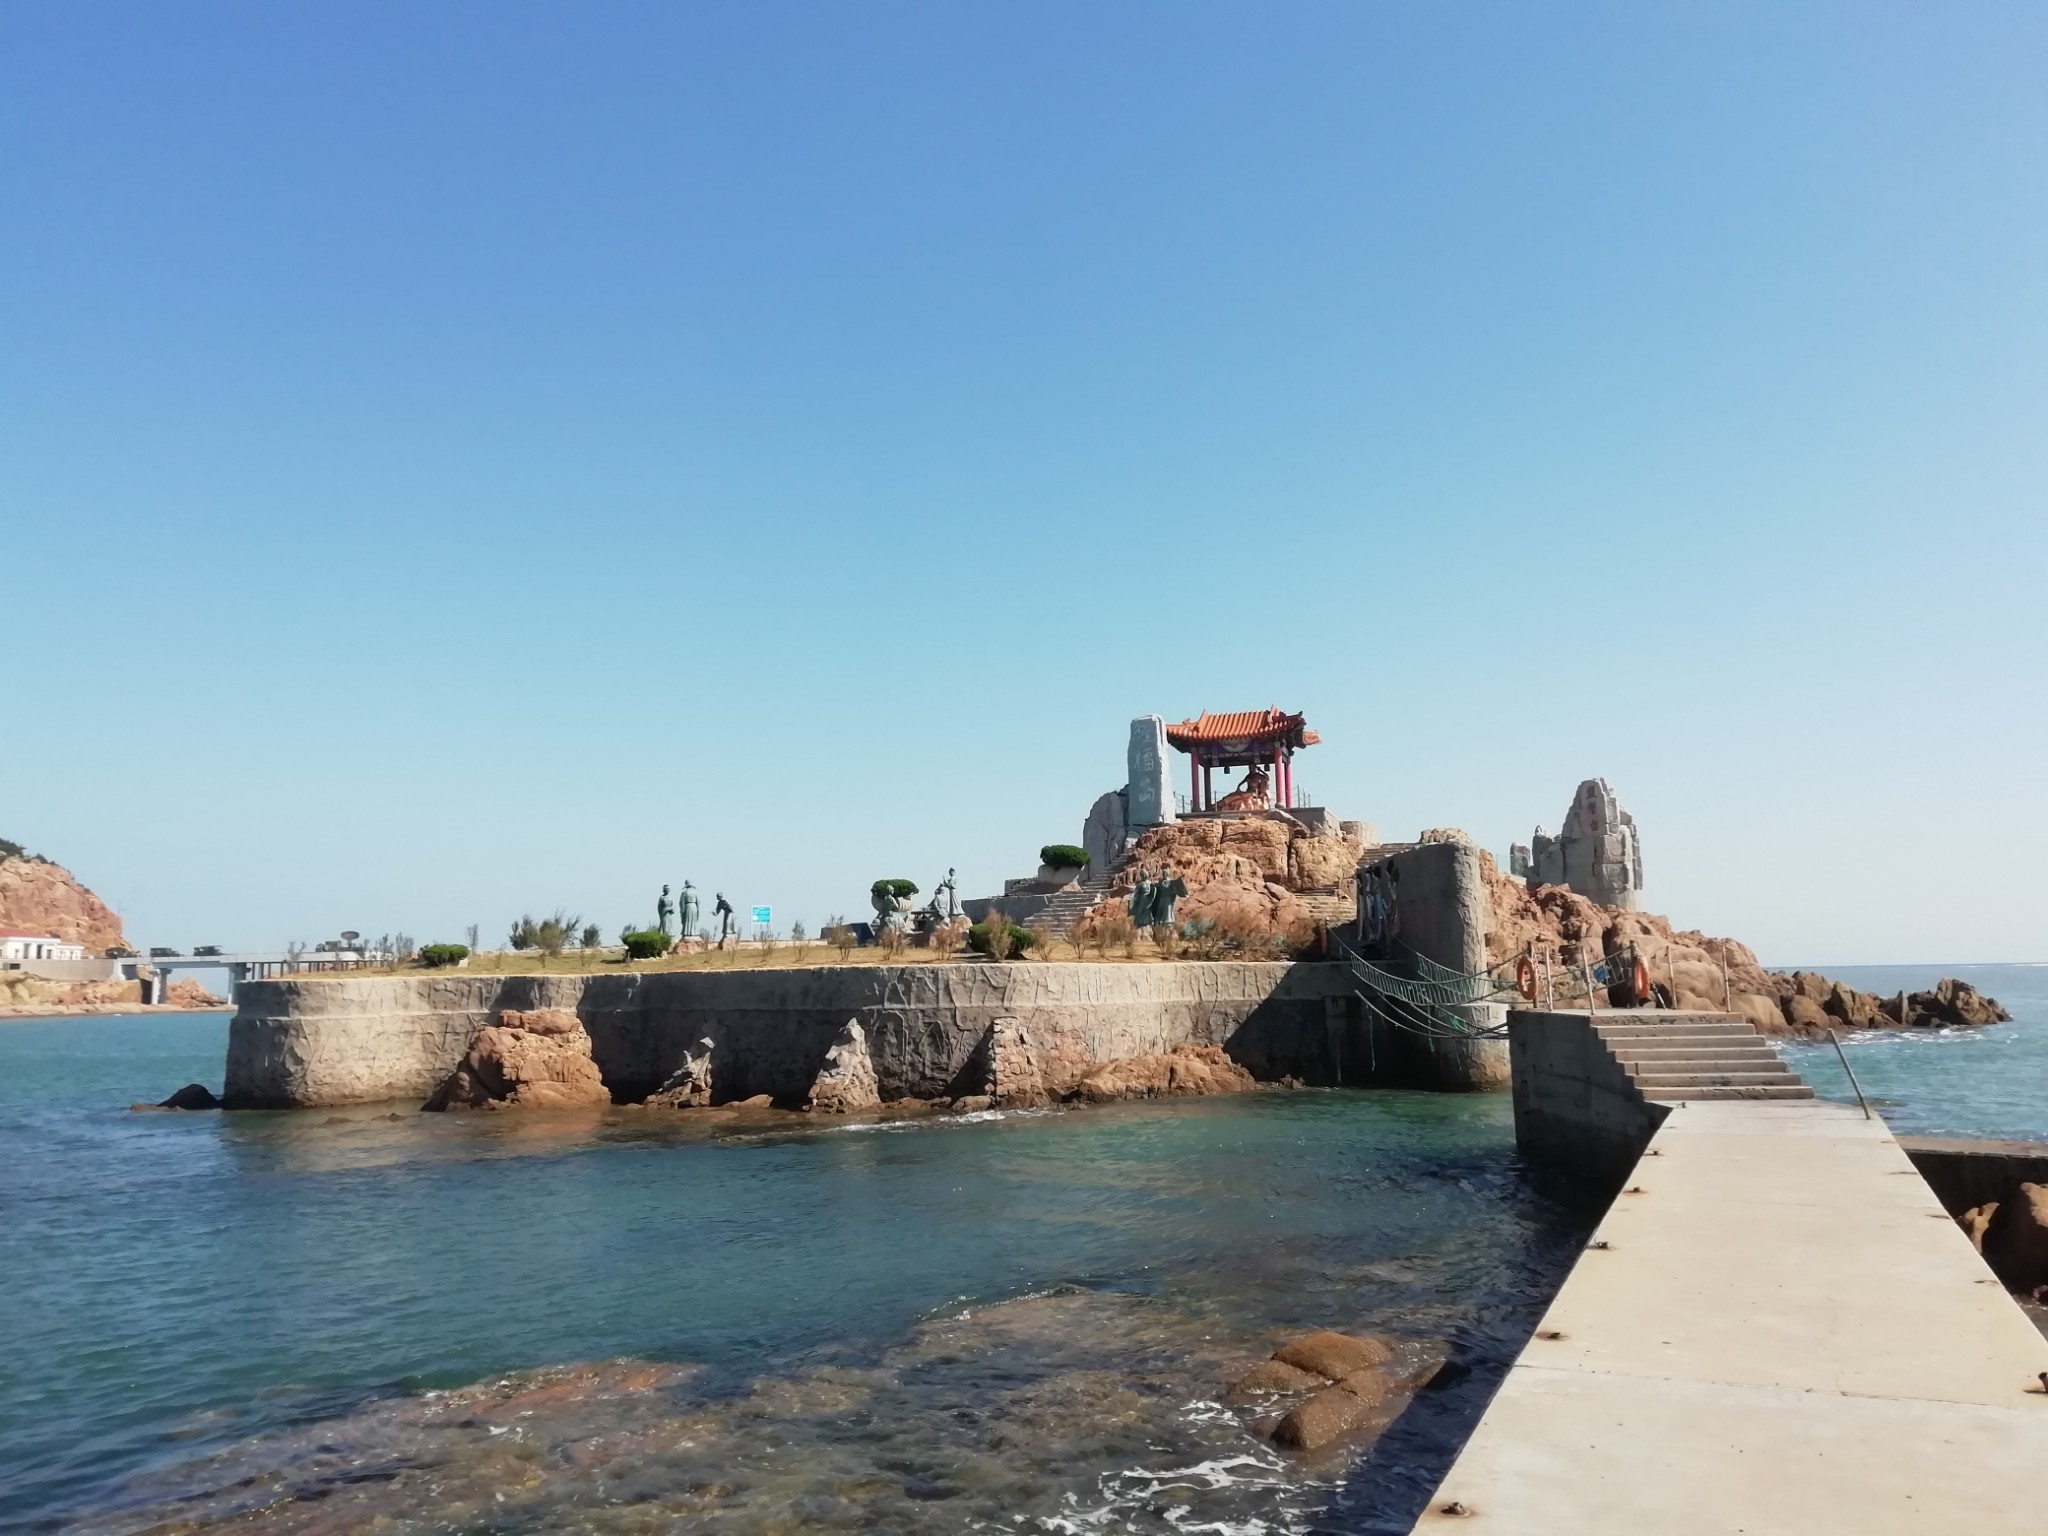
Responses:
[1525,978]
[1642,983]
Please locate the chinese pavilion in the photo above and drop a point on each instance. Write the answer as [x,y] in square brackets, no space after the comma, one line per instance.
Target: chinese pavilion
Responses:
[1262,741]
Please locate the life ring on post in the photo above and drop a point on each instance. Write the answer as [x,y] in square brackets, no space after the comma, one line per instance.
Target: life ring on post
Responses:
[1641,983]
[1525,978]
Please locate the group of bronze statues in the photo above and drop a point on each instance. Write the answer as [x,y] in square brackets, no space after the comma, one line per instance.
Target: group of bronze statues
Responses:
[687,907]
[1152,901]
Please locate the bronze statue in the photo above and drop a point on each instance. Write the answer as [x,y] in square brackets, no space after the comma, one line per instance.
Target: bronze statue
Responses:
[665,914]
[722,910]
[1142,899]
[689,906]
[1167,890]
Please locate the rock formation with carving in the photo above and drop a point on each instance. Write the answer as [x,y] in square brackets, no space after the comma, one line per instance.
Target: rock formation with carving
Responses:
[538,1060]
[689,1086]
[1596,853]
[846,1083]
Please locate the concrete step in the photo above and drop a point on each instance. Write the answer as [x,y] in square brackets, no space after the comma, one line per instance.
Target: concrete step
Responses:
[1701,1052]
[1657,1082]
[1701,1027]
[1793,1090]
[1666,1065]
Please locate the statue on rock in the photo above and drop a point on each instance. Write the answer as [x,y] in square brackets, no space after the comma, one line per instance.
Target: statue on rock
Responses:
[1254,794]
[689,1086]
[690,910]
[665,914]
[948,894]
[722,910]
[847,1082]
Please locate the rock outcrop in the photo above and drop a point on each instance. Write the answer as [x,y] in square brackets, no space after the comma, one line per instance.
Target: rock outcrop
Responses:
[537,1060]
[1186,1071]
[37,896]
[1264,873]
[846,1083]
[1709,974]
[689,1086]
[1034,1065]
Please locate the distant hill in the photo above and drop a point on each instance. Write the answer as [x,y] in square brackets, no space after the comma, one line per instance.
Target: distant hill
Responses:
[40,897]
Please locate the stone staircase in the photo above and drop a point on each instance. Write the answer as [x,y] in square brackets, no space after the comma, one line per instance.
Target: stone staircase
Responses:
[1695,1056]
[1066,907]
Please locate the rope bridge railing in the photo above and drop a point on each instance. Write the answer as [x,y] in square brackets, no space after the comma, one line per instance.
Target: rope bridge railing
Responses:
[1425,1002]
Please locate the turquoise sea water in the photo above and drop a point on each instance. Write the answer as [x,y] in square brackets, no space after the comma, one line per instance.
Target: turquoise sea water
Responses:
[1990,1082]
[1012,1322]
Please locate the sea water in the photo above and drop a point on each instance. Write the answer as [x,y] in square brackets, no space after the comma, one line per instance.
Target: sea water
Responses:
[641,1321]
[1988,1081]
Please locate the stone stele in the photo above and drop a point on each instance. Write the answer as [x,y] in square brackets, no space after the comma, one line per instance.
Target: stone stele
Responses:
[1148,797]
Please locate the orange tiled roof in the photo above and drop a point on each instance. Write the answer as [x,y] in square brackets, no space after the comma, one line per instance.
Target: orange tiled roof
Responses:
[1272,725]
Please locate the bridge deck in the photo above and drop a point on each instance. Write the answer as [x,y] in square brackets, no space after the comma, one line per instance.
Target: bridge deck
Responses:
[1787,1333]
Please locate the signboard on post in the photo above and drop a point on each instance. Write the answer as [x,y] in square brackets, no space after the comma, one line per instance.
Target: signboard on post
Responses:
[764,914]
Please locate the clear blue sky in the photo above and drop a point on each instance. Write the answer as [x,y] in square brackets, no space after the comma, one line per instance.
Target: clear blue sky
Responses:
[458,459]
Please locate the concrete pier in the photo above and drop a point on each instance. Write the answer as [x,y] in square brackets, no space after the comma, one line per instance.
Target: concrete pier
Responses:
[1776,1328]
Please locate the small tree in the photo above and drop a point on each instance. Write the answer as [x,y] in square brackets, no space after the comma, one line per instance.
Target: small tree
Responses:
[800,938]
[644,943]
[840,935]
[1063,856]
[473,936]
[592,937]
[891,938]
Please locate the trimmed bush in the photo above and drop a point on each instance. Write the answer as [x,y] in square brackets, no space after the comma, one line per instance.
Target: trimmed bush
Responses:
[644,943]
[435,955]
[1063,856]
[983,937]
[896,888]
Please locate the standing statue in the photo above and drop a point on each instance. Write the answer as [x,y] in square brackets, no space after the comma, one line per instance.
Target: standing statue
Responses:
[665,914]
[722,910]
[948,894]
[1143,911]
[689,906]
[1167,890]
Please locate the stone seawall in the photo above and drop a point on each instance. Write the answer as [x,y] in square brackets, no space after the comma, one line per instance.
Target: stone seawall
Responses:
[311,1041]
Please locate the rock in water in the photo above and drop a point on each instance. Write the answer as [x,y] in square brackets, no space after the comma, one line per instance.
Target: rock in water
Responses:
[538,1060]
[191,1096]
[689,1086]
[1953,1002]
[1333,1355]
[1185,1071]
[1276,1376]
[846,1082]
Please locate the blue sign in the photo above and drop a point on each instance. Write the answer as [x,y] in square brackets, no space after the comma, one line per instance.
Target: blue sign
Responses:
[764,914]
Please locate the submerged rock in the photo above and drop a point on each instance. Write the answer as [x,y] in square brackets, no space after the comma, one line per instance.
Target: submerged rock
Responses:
[1333,1356]
[846,1083]
[538,1060]
[1276,1376]
[191,1096]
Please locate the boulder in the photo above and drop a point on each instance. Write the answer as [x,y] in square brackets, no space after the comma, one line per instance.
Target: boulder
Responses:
[1186,1071]
[689,1086]
[1953,1002]
[1334,1355]
[1975,1220]
[538,1060]
[2015,1242]
[191,1096]
[1857,1010]
[1276,1376]
[846,1083]
[1761,1011]
[1314,1424]
[1804,1015]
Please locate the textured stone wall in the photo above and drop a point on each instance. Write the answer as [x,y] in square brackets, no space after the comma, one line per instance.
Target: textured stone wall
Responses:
[312,1041]
[1575,1104]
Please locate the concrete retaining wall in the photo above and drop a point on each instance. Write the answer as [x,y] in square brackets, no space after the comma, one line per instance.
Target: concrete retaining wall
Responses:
[307,1041]
[1964,1174]
[1574,1103]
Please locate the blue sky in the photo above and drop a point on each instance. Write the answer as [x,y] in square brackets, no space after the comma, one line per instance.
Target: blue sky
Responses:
[462,459]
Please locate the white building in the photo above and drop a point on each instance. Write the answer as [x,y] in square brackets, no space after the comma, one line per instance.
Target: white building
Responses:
[17,946]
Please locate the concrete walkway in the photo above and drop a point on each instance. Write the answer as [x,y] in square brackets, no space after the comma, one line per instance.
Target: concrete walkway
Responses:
[1785,1334]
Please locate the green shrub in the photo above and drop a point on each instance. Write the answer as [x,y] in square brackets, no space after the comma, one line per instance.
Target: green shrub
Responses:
[999,938]
[1063,856]
[644,943]
[896,888]
[434,955]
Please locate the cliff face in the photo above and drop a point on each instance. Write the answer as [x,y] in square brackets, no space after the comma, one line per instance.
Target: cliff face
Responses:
[41,897]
